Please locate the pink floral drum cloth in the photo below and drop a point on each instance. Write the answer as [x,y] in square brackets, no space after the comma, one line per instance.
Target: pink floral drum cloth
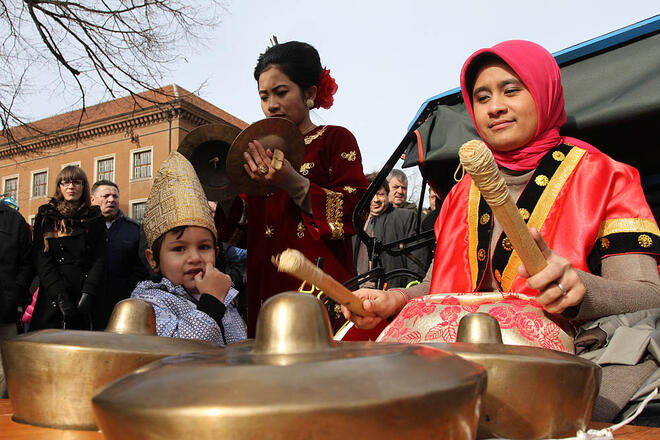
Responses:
[435,318]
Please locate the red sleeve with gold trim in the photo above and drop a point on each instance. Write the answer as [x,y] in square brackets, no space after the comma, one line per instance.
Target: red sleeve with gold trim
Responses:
[628,225]
[334,199]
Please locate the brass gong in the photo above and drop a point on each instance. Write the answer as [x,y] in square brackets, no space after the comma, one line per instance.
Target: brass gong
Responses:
[206,148]
[272,133]
[53,374]
[294,382]
[532,393]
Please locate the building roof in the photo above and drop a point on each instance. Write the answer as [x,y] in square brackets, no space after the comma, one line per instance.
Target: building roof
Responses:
[168,95]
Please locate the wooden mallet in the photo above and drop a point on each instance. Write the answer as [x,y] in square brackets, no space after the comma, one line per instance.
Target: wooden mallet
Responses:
[479,163]
[295,263]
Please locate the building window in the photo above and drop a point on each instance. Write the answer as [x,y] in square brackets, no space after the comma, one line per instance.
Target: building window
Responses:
[137,211]
[11,188]
[40,184]
[105,169]
[142,164]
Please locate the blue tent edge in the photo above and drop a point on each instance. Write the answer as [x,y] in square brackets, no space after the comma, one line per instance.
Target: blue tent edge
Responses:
[644,27]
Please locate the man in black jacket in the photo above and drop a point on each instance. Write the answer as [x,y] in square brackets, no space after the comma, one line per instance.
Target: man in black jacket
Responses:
[124,268]
[389,224]
[16,272]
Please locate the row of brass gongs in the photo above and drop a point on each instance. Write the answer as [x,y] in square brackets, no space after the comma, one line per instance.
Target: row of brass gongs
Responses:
[293,381]
[216,153]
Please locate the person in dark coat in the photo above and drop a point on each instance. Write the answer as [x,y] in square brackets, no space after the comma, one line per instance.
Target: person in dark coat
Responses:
[70,244]
[124,267]
[16,272]
[389,224]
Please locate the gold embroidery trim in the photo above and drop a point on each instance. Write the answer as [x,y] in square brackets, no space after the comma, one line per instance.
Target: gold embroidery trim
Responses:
[270,231]
[481,255]
[644,240]
[524,213]
[473,232]
[349,189]
[350,156]
[304,168]
[484,219]
[558,156]
[541,180]
[542,209]
[617,225]
[300,230]
[309,139]
[334,212]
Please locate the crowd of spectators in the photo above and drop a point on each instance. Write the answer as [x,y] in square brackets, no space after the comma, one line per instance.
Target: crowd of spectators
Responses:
[391,218]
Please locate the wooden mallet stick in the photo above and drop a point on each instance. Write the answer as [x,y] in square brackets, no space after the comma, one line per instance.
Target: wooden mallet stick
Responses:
[479,163]
[294,262]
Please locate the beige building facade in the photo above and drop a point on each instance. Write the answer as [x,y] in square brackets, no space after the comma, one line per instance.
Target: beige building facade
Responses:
[124,140]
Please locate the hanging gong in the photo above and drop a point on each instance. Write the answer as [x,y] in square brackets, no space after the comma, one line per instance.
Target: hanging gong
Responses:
[293,381]
[272,133]
[53,374]
[206,148]
[532,393]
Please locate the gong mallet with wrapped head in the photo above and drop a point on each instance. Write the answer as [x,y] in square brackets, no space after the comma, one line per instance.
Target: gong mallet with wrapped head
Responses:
[295,263]
[479,163]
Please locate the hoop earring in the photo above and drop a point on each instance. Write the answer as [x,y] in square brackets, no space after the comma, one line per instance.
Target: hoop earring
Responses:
[309,103]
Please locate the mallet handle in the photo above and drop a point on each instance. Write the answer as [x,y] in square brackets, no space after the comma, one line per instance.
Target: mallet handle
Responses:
[295,263]
[479,163]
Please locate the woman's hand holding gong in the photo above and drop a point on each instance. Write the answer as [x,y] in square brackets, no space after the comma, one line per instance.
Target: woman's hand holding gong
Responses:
[259,164]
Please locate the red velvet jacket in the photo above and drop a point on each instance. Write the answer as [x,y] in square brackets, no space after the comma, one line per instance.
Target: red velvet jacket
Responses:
[333,164]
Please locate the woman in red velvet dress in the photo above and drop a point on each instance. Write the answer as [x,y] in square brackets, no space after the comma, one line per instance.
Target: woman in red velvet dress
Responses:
[313,208]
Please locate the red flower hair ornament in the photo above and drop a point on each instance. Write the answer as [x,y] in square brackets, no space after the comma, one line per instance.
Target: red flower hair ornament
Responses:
[326,88]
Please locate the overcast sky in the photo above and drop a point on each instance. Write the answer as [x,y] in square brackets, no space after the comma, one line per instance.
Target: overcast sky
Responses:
[387,57]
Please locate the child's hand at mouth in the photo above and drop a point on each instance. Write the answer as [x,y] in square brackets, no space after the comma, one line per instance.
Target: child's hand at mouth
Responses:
[213,282]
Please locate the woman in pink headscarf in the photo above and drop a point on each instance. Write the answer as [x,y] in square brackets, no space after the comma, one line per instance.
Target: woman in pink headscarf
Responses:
[586,211]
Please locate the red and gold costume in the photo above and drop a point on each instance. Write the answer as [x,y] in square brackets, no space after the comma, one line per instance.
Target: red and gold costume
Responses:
[333,164]
[587,207]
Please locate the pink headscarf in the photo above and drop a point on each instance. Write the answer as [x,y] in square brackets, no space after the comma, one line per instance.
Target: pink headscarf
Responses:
[539,71]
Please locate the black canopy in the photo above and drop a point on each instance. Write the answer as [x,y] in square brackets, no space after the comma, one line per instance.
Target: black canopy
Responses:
[612,93]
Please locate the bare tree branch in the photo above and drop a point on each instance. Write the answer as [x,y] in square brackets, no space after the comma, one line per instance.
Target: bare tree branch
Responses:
[112,46]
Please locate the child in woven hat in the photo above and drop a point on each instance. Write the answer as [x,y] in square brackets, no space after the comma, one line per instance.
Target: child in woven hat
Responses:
[193,299]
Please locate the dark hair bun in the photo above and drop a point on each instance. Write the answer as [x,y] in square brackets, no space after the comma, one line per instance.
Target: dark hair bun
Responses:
[297,60]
